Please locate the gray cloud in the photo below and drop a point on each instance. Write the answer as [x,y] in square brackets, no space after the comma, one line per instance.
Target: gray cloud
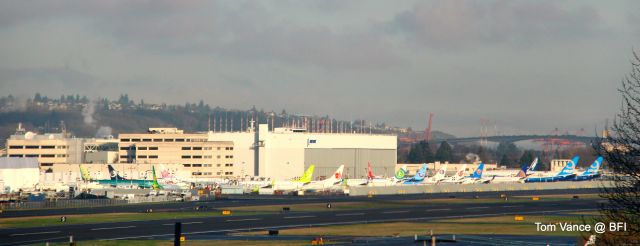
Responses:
[379,60]
[454,24]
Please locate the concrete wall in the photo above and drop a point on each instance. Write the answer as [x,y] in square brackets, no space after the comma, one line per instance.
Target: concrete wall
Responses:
[443,188]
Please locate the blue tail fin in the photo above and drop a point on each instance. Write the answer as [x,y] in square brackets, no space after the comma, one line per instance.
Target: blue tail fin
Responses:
[422,172]
[478,173]
[593,169]
[570,167]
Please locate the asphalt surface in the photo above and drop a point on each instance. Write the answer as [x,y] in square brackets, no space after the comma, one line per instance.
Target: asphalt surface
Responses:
[254,200]
[163,229]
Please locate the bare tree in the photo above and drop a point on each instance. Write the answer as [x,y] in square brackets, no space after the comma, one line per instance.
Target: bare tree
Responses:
[621,149]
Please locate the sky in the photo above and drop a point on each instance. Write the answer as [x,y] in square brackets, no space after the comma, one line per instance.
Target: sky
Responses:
[527,67]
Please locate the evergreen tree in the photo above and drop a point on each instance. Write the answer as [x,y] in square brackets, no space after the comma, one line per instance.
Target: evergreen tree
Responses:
[444,152]
[421,152]
[527,157]
[504,161]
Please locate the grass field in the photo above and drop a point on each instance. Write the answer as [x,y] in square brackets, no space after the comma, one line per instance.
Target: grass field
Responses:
[505,225]
[37,221]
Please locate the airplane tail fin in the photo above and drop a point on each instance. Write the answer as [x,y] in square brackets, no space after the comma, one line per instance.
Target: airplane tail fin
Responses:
[422,173]
[84,174]
[308,175]
[478,173]
[369,172]
[460,174]
[570,167]
[114,174]
[155,184]
[523,171]
[533,165]
[337,175]
[401,173]
[441,172]
[593,169]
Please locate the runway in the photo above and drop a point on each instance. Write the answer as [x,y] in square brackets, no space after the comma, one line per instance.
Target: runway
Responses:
[254,200]
[163,229]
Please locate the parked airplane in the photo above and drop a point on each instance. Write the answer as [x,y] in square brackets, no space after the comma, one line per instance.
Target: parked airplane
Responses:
[457,177]
[293,184]
[438,176]
[520,176]
[476,176]
[592,171]
[419,177]
[117,180]
[373,180]
[335,179]
[567,173]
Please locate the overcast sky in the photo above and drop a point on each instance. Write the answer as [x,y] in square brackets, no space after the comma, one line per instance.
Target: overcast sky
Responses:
[527,66]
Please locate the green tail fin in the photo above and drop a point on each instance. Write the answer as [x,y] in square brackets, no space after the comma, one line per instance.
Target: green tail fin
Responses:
[155,184]
[308,175]
[84,174]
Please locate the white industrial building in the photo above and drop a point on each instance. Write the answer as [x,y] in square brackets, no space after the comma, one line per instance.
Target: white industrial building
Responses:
[18,173]
[284,153]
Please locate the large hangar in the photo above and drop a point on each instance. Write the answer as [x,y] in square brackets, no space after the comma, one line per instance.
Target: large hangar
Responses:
[355,161]
[284,153]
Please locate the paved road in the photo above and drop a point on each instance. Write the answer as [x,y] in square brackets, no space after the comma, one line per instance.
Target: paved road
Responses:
[252,200]
[221,225]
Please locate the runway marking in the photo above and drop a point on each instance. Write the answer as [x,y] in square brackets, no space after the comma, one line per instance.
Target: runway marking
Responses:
[111,228]
[438,209]
[298,217]
[351,214]
[33,233]
[396,212]
[477,208]
[184,223]
[350,223]
[513,206]
[243,220]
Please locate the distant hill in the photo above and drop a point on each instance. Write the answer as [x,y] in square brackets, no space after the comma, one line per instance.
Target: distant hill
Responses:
[84,118]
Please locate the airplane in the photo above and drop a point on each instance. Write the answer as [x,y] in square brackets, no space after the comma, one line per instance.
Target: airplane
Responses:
[456,177]
[117,180]
[335,179]
[592,171]
[567,173]
[517,177]
[373,180]
[419,177]
[294,184]
[439,176]
[476,176]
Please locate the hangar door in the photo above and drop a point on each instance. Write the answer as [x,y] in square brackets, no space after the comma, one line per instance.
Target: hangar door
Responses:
[383,161]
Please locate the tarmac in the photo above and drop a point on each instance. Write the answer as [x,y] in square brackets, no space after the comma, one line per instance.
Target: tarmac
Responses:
[220,226]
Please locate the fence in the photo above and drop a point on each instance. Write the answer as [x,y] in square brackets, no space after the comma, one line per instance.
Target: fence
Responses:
[62,204]
[445,188]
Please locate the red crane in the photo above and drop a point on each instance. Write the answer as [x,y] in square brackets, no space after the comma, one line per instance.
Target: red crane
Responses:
[427,132]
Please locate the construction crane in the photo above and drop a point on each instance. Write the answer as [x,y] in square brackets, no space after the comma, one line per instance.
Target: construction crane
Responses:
[427,132]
